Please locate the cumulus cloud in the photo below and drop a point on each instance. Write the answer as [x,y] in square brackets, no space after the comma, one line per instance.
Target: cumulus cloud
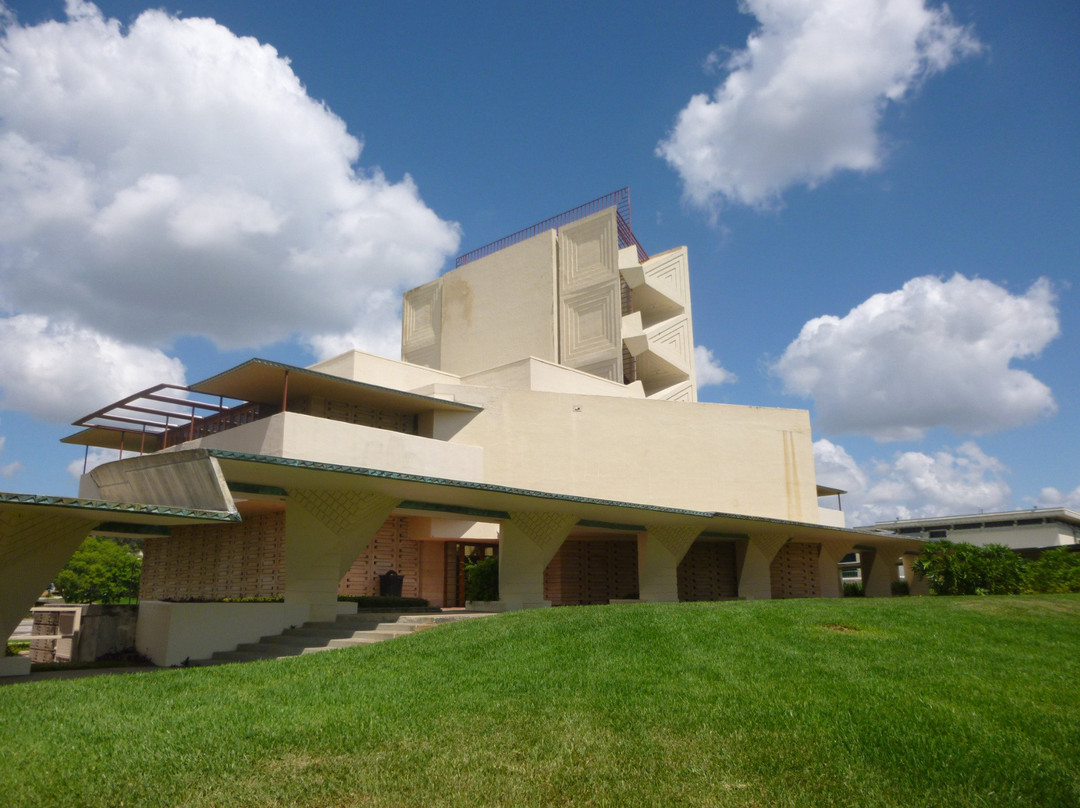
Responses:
[912,485]
[934,353]
[1053,498]
[93,459]
[806,96]
[708,368]
[57,371]
[9,470]
[171,178]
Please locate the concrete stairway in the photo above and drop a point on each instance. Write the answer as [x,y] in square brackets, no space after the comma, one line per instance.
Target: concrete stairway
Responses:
[346,631]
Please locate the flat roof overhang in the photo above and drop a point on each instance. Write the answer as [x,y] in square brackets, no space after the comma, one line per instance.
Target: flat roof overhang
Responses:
[111,518]
[1064,515]
[440,497]
[263,380]
[256,381]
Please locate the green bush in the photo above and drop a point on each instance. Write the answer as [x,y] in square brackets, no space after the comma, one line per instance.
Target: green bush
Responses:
[1002,571]
[482,579]
[101,571]
[853,590]
[965,569]
[14,647]
[900,588]
[1055,571]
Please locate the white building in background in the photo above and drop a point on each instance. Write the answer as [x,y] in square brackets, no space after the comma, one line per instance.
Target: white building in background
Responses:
[1035,529]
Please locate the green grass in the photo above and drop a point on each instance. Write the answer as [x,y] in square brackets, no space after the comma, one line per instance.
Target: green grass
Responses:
[856,702]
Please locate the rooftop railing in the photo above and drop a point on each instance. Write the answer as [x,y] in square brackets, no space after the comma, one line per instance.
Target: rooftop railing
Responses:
[620,200]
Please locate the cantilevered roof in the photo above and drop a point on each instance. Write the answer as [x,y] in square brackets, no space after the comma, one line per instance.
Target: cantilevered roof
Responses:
[829,491]
[263,380]
[496,501]
[138,422]
[97,510]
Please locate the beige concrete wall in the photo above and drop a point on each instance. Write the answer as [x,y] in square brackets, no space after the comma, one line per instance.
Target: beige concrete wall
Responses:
[169,633]
[717,457]
[549,377]
[495,310]
[364,367]
[321,440]
[1019,537]
[177,478]
[831,517]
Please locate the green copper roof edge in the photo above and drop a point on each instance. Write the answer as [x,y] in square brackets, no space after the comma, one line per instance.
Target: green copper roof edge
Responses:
[502,489]
[331,377]
[417,505]
[611,525]
[116,507]
[359,471]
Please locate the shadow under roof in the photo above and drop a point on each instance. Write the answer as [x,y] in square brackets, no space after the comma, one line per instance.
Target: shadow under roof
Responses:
[263,380]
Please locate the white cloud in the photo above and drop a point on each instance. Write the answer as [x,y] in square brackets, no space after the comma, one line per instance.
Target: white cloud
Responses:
[172,178]
[934,353]
[93,459]
[58,371]
[914,485]
[805,98]
[708,369]
[1053,498]
[9,470]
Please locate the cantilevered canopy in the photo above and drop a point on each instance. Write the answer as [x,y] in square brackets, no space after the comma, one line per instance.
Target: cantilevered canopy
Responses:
[494,502]
[272,382]
[165,415]
[38,535]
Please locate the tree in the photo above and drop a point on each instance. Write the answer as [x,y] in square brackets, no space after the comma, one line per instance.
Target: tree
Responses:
[101,571]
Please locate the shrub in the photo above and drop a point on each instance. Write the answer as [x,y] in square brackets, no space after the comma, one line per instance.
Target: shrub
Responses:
[15,647]
[101,571]
[901,588]
[1001,570]
[964,569]
[853,590]
[1055,571]
[482,579]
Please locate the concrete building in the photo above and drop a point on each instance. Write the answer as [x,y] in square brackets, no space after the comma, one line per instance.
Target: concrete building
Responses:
[545,411]
[1034,529]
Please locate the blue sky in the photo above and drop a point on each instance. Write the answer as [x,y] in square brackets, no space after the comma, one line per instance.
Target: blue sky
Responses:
[880,201]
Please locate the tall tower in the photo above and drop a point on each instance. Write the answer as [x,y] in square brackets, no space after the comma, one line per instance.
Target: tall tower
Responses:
[575,290]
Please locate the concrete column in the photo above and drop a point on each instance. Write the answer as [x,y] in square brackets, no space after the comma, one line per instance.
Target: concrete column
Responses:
[660,549]
[755,579]
[324,533]
[832,553]
[33,548]
[916,584]
[878,571]
[527,543]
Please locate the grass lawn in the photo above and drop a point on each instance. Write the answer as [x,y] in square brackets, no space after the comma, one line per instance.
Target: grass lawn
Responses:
[856,702]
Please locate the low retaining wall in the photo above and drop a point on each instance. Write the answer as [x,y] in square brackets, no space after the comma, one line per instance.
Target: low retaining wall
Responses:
[170,633]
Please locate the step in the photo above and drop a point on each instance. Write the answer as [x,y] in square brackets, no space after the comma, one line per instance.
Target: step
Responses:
[270,648]
[347,631]
[239,656]
[350,642]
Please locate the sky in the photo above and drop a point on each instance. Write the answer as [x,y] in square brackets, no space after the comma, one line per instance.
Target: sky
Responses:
[880,200]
